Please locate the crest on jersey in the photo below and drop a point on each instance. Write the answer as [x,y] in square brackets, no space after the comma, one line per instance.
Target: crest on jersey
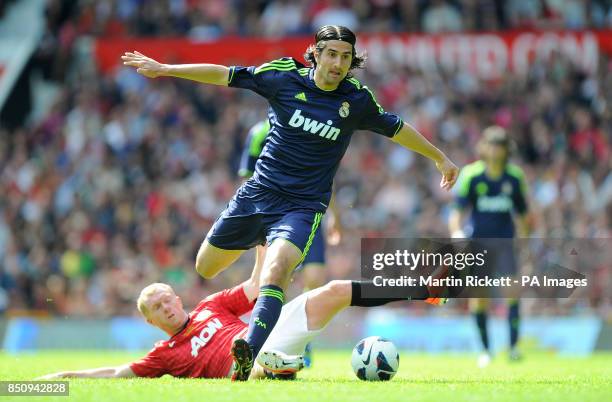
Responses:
[507,188]
[344,109]
[202,315]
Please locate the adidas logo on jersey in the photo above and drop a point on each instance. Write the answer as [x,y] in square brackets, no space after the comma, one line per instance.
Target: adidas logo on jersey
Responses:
[199,341]
[301,96]
[313,126]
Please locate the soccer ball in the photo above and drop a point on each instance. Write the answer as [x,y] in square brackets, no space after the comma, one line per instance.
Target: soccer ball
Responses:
[375,359]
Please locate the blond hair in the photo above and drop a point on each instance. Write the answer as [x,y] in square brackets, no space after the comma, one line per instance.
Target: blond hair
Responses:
[145,293]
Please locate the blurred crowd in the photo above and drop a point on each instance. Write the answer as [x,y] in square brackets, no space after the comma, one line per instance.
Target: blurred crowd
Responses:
[119,183]
[208,19]
[203,20]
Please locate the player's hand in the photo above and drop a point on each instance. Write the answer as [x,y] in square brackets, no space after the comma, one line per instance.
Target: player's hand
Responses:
[144,65]
[449,171]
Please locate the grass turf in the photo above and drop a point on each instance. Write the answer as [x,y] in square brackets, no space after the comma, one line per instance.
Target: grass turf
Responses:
[540,377]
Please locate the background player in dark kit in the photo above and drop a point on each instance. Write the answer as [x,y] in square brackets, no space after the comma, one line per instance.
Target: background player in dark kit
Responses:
[495,192]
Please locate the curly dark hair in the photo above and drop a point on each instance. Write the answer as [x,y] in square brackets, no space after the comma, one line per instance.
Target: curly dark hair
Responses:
[334,32]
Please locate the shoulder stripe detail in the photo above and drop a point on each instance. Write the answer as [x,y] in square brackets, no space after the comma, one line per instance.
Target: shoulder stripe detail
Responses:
[257,71]
[278,63]
[231,74]
[474,169]
[303,71]
[380,109]
[282,65]
[355,82]
[467,174]
[516,172]
[282,61]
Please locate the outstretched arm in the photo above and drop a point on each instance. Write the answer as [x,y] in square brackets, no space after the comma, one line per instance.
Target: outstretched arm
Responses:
[410,138]
[104,372]
[206,73]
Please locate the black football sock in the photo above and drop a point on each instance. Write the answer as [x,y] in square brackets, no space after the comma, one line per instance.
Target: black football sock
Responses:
[264,316]
[359,288]
[481,322]
[514,319]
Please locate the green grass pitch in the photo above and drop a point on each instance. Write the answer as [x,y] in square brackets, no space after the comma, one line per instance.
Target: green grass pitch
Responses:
[436,378]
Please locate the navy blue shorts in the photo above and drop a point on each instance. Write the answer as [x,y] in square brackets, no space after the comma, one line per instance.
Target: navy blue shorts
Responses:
[258,215]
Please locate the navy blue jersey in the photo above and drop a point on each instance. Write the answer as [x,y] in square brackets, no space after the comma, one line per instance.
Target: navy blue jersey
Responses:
[252,148]
[310,128]
[492,200]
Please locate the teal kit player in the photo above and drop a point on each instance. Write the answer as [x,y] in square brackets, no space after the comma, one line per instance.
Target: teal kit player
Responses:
[495,192]
[313,114]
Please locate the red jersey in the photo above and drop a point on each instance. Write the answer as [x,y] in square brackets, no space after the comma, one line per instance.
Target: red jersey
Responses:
[202,348]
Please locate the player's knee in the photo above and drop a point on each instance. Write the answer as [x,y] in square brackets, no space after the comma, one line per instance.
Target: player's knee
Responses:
[204,270]
[338,290]
[275,273]
[279,264]
[203,266]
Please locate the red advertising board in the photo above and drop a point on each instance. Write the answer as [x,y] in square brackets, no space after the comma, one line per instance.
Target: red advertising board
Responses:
[488,55]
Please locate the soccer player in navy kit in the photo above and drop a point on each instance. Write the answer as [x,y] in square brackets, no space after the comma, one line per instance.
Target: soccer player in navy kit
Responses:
[496,193]
[313,266]
[314,262]
[313,114]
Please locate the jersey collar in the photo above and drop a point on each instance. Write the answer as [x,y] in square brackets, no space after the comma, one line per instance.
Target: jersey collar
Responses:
[183,328]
